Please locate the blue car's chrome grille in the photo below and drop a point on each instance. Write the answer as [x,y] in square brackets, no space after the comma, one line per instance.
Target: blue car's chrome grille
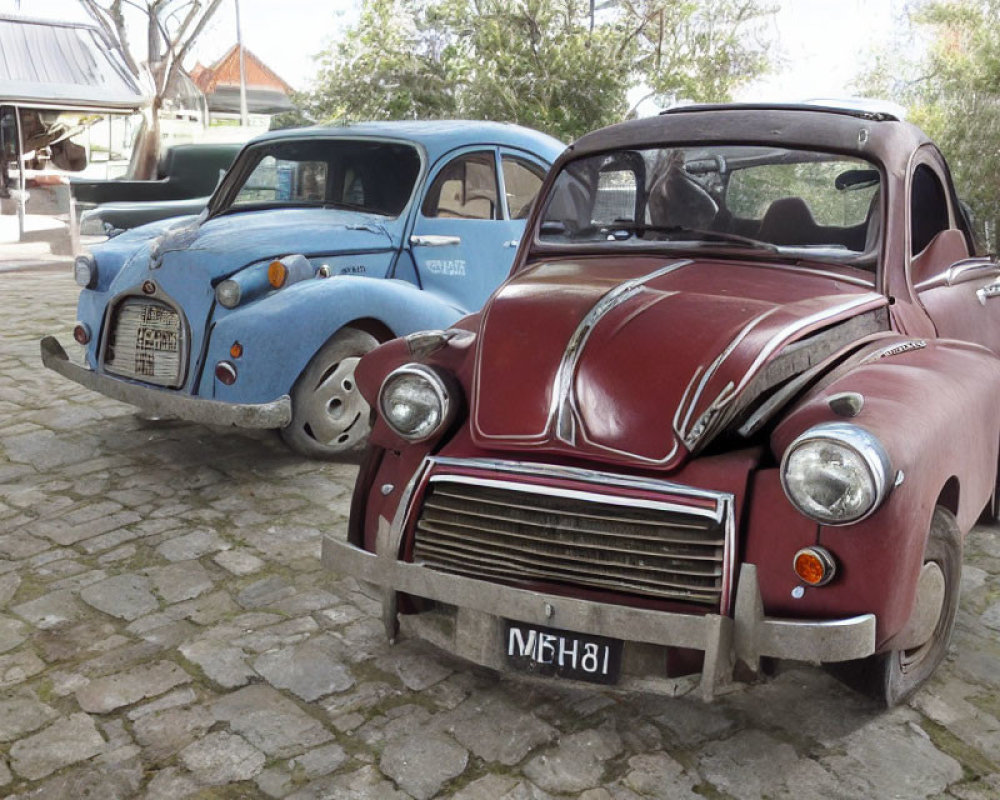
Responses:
[146,342]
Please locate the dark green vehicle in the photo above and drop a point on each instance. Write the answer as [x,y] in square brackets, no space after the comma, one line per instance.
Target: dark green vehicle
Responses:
[187,176]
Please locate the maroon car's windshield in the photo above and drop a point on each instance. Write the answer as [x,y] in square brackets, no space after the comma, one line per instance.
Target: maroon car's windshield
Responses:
[799,203]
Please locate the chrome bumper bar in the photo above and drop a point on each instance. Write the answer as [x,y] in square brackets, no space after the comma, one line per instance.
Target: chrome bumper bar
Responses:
[276,414]
[482,606]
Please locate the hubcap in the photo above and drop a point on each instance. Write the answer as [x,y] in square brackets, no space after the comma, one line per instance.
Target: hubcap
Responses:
[927,615]
[336,414]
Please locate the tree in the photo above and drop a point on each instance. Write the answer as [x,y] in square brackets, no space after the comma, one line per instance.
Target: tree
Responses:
[172,27]
[545,63]
[951,89]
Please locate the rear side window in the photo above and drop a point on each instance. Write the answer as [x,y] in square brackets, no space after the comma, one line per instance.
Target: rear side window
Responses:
[521,182]
[928,207]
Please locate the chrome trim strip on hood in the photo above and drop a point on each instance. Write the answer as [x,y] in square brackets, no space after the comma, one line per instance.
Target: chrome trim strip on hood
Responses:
[562,420]
[775,342]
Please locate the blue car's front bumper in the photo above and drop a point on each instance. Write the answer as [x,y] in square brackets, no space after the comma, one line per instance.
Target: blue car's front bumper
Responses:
[275,414]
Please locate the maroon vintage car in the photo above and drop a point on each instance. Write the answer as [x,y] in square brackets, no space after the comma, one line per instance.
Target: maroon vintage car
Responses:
[737,400]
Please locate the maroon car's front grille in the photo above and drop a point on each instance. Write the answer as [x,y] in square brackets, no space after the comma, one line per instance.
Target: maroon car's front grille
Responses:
[146,342]
[509,533]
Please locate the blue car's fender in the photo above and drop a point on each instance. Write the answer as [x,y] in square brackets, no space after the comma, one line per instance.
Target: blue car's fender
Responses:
[280,333]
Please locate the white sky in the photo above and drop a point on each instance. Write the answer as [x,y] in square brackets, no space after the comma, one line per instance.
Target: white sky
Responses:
[821,44]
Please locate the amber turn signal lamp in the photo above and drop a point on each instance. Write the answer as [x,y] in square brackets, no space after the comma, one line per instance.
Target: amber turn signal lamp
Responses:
[81,333]
[236,350]
[277,274]
[226,373]
[814,566]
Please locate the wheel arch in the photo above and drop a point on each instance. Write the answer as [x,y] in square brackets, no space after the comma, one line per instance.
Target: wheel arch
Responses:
[281,333]
[950,495]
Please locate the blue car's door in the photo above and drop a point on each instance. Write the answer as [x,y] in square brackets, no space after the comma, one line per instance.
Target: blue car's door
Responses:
[464,239]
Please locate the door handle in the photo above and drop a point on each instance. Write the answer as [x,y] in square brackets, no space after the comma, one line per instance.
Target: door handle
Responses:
[512,243]
[434,240]
[988,291]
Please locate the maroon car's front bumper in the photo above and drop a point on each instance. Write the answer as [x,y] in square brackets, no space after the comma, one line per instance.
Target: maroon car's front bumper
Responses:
[468,618]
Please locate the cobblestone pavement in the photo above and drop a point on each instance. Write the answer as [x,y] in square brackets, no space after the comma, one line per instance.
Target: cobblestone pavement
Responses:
[166,631]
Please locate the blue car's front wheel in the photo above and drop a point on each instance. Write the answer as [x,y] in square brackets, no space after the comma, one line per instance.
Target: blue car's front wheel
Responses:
[330,418]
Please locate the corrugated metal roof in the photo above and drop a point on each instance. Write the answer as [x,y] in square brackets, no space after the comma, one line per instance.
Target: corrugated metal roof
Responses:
[63,64]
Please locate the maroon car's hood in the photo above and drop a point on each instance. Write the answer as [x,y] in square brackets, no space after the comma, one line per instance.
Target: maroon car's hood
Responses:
[637,363]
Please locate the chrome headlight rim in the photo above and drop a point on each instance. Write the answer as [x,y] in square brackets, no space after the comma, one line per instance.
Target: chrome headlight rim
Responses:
[85,271]
[439,385]
[864,444]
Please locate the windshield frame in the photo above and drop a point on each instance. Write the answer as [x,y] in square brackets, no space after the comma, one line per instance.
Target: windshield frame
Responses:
[220,204]
[870,262]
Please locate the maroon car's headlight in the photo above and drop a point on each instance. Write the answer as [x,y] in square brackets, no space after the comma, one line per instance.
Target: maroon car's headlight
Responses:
[836,473]
[417,401]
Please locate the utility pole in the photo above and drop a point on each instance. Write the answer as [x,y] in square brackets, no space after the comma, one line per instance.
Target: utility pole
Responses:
[244,121]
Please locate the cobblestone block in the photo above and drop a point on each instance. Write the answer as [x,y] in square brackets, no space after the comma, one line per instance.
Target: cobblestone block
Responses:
[8,587]
[180,581]
[577,763]
[270,721]
[221,758]
[21,714]
[106,694]
[308,670]
[192,545]
[421,764]
[125,596]
[12,633]
[66,742]
[221,663]
[50,610]
[238,562]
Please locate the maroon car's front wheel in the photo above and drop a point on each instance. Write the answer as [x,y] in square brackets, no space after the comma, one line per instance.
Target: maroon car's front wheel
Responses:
[330,418]
[896,675]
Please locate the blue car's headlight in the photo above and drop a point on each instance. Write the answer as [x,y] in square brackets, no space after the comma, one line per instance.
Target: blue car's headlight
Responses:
[258,280]
[836,473]
[228,293]
[85,271]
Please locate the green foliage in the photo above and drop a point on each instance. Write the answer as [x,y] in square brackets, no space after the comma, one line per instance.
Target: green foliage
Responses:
[952,91]
[536,62]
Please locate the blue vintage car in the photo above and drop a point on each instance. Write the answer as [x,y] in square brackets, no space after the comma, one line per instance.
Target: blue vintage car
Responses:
[318,244]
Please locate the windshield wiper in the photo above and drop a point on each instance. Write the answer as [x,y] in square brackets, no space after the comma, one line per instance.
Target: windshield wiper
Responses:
[675,232]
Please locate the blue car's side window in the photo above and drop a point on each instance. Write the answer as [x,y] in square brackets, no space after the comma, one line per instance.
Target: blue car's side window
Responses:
[521,182]
[465,189]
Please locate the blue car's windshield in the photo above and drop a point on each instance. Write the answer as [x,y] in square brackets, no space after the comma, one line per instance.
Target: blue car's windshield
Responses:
[375,177]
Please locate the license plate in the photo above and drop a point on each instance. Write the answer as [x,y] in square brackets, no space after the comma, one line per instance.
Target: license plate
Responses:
[562,654]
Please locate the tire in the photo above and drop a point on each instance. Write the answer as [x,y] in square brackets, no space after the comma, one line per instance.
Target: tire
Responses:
[895,676]
[991,514]
[330,418]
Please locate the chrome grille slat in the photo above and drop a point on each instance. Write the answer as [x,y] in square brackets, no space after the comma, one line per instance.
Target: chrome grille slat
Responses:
[520,533]
[594,569]
[537,542]
[551,522]
[659,592]
[567,510]
[145,342]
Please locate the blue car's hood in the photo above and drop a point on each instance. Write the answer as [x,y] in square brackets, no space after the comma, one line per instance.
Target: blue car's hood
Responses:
[221,246]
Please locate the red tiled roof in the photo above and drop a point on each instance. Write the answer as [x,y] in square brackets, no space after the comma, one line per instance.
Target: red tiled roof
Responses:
[226,72]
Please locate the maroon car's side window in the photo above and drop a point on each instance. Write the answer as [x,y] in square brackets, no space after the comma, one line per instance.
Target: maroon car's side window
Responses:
[928,208]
